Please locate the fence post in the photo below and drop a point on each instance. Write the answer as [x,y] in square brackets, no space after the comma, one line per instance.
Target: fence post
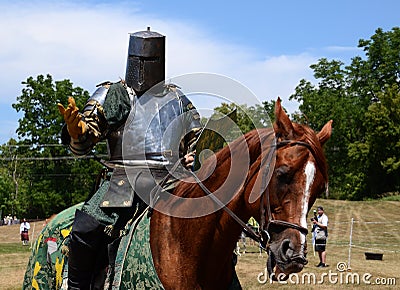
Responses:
[33,235]
[350,243]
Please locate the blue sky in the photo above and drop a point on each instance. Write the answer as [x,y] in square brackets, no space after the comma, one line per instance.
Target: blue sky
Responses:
[267,46]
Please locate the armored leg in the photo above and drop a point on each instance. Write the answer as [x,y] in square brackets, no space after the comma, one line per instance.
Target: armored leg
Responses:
[87,251]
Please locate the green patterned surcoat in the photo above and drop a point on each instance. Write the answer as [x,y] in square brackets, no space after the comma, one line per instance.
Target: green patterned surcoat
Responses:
[47,266]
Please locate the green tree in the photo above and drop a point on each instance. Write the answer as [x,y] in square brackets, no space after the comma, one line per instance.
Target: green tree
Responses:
[379,151]
[10,182]
[327,100]
[248,117]
[269,108]
[47,177]
[349,96]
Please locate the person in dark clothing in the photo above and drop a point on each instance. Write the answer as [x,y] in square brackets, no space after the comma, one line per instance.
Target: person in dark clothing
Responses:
[320,224]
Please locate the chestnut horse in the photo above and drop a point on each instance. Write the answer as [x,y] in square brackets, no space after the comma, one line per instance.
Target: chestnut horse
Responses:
[196,253]
[274,175]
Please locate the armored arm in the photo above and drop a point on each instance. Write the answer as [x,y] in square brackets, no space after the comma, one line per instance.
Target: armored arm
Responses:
[107,108]
[193,127]
[92,117]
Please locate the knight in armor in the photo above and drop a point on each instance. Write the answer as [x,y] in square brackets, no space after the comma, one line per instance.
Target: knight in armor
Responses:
[149,127]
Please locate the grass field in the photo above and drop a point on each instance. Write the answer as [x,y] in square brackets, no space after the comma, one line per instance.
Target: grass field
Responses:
[376,228]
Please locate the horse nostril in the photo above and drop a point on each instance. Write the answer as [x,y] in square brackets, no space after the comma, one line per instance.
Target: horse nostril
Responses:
[301,260]
[287,253]
[285,248]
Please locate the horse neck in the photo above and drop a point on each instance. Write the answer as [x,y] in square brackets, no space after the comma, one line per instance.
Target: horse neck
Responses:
[232,180]
[246,202]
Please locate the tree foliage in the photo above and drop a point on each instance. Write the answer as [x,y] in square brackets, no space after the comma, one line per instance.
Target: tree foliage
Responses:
[41,178]
[362,99]
[250,117]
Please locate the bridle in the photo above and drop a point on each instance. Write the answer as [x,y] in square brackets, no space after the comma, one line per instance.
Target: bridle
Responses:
[263,238]
[264,224]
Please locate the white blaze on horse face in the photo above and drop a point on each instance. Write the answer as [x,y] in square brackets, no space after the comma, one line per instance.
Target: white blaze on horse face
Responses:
[310,175]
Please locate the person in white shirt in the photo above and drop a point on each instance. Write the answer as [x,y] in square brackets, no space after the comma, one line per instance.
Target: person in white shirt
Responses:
[321,235]
[24,232]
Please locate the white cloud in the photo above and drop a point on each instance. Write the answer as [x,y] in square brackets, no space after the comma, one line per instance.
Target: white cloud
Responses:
[344,49]
[278,76]
[88,44]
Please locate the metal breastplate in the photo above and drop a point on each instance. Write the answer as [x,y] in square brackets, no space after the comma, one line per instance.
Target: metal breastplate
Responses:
[153,130]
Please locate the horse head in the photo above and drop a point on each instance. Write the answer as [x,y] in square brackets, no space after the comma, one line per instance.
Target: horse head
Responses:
[299,176]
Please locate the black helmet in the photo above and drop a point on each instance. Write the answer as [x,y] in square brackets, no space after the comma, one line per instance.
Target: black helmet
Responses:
[146,60]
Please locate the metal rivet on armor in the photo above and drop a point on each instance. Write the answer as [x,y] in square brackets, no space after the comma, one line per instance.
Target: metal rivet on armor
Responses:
[167,153]
[106,203]
[121,182]
[126,202]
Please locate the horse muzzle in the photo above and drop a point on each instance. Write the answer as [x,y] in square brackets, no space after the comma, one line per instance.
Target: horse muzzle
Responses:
[286,258]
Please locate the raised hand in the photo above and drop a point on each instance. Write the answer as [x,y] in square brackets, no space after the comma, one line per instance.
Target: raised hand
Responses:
[76,127]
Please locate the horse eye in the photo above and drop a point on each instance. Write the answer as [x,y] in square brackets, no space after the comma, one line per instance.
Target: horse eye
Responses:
[282,170]
[283,174]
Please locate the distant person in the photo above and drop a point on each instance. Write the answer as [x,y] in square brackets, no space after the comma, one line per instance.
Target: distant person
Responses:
[9,220]
[254,225]
[24,232]
[320,234]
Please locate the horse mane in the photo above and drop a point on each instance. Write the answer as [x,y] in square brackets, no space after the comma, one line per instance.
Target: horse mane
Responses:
[253,142]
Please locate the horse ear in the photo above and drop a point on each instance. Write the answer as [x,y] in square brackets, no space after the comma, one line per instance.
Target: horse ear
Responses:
[325,133]
[283,126]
